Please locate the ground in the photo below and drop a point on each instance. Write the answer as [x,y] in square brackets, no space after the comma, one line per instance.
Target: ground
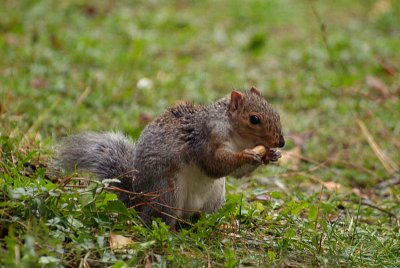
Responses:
[331,68]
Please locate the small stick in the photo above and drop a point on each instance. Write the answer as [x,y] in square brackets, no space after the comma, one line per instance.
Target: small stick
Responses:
[366,203]
[387,163]
[83,96]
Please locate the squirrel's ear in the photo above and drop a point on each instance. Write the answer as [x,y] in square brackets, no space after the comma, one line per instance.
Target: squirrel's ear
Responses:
[255,91]
[236,100]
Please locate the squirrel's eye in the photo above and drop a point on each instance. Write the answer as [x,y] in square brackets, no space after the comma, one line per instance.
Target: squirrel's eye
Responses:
[255,120]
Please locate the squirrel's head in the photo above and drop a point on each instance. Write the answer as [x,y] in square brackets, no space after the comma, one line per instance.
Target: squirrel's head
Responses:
[254,119]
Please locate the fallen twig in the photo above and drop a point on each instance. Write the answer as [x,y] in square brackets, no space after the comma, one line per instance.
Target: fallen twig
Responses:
[387,163]
[369,204]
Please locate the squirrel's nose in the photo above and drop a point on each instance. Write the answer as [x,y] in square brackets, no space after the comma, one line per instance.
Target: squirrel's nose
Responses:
[281,141]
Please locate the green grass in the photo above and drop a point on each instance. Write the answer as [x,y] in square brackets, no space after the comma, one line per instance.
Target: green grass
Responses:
[70,66]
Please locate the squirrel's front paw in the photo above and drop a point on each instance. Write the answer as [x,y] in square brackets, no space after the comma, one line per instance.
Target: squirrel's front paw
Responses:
[272,156]
[252,157]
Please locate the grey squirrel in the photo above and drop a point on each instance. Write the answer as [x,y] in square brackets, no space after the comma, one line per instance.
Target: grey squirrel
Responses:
[179,163]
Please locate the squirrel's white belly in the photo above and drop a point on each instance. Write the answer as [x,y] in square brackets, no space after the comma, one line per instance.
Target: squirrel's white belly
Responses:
[197,192]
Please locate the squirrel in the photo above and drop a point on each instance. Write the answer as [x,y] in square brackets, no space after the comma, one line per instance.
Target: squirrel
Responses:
[179,163]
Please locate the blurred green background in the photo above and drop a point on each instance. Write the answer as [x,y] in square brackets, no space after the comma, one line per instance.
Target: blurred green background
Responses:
[68,66]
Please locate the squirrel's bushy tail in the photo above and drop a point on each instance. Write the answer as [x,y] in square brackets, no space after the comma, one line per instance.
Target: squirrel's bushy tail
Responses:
[106,155]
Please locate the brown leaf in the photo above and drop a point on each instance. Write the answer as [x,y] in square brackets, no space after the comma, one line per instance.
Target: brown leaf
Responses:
[300,138]
[231,227]
[144,119]
[119,241]
[389,68]
[11,40]
[381,7]
[330,185]
[263,197]
[38,83]
[291,158]
[234,235]
[148,262]
[359,193]
[377,85]
[90,11]
[55,41]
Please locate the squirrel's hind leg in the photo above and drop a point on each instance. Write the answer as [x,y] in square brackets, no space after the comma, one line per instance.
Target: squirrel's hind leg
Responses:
[160,204]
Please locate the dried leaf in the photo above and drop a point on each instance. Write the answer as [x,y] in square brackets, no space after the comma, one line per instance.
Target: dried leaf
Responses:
[11,40]
[231,227]
[381,7]
[332,218]
[144,119]
[119,241]
[330,185]
[377,85]
[300,138]
[291,158]
[234,235]
[359,193]
[55,42]
[389,68]
[38,83]
[90,11]
[148,262]
[263,197]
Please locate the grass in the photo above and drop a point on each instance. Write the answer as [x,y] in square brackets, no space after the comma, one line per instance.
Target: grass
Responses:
[331,69]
